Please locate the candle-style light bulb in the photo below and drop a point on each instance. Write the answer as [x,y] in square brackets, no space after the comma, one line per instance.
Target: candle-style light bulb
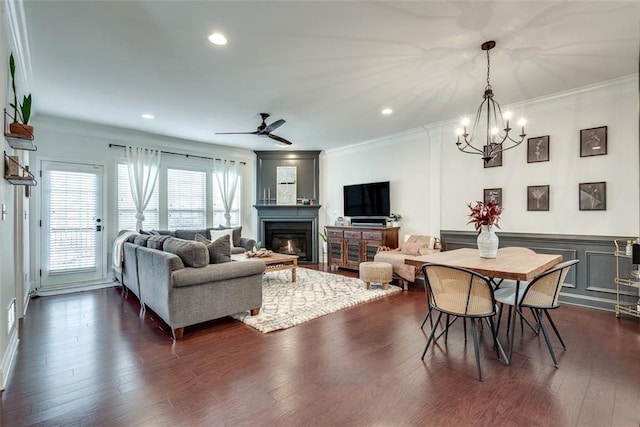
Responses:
[521,123]
[507,116]
[458,133]
[464,122]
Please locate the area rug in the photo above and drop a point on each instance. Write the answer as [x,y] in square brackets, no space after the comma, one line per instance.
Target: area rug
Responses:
[314,294]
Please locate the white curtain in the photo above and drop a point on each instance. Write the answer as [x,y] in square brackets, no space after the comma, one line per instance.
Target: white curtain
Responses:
[226,173]
[143,167]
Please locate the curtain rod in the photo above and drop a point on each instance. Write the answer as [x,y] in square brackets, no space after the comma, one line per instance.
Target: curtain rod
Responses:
[180,154]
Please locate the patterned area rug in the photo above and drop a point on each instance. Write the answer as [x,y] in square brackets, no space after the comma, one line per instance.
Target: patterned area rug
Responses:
[314,294]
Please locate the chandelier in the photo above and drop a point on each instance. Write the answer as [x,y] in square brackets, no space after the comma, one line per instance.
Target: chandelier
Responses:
[498,132]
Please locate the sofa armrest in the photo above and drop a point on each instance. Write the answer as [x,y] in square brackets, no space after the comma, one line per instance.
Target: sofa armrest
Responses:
[247,243]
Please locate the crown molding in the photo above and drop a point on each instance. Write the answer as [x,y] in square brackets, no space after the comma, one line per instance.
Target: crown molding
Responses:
[16,24]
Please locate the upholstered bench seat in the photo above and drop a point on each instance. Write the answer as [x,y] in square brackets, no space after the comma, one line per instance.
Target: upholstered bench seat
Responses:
[376,272]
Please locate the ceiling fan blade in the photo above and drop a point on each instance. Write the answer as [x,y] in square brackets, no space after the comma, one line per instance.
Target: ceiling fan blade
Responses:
[273,126]
[236,133]
[279,139]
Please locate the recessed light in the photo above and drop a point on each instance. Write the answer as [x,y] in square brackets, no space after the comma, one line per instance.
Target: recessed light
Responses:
[217,39]
[387,111]
[148,116]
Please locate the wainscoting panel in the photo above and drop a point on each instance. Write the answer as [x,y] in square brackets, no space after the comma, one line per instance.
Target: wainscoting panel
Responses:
[590,283]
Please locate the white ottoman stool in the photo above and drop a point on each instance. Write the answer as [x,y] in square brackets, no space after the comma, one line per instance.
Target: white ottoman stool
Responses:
[376,272]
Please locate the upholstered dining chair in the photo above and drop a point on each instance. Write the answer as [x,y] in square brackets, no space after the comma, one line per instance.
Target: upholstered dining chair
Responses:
[540,295]
[461,293]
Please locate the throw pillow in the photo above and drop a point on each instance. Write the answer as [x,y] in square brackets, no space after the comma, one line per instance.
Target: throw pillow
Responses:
[148,232]
[237,233]
[216,234]
[141,239]
[411,248]
[192,254]
[219,250]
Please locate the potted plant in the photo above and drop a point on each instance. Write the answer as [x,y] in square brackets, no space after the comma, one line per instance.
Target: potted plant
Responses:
[323,235]
[21,111]
[484,217]
[395,219]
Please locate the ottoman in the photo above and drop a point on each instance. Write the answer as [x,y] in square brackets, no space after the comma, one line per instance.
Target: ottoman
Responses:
[376,272]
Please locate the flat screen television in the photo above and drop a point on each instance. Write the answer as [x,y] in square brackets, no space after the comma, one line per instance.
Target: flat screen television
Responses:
[370,199]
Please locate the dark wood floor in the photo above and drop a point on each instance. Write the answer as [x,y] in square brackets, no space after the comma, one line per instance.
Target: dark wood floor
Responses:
[89,359]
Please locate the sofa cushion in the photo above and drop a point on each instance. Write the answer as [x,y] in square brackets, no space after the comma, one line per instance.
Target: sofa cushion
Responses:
[156,241]
[166,232]
[216,273]
[216,234]
[219,249]
[192,254]
[411,248]
[237,233]
[141,239]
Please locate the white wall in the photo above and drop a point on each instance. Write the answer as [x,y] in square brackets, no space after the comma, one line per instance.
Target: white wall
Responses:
[81,142]
[405,161]
[8,287]
[432,182]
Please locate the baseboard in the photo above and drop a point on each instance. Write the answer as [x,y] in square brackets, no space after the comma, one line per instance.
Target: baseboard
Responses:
[8,358]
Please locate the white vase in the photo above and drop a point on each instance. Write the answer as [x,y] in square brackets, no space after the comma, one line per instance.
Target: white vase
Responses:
[487,242]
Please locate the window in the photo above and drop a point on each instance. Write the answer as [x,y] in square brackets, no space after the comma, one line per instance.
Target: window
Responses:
[218,206]
[186,199]
[73,203]
[126,208]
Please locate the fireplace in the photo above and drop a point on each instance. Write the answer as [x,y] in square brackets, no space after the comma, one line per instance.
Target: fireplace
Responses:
[290,237]
[290,230]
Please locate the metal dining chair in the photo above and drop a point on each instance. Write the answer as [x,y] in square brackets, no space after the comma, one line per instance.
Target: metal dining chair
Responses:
[540,295]
[461,293]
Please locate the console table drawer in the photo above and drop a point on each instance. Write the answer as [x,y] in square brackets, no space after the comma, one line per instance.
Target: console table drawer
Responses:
[372,235]
[335,233]
[352,234]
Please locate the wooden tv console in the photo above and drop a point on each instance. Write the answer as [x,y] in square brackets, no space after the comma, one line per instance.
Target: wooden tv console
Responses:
[347,247]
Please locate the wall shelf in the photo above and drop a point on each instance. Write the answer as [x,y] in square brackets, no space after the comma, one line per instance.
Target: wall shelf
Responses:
[18,142]
[16,173]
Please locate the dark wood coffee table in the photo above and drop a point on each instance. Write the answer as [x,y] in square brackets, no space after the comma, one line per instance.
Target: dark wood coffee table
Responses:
[274,262]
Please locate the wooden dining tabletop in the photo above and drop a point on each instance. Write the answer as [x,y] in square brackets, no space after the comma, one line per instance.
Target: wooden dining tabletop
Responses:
[512,266]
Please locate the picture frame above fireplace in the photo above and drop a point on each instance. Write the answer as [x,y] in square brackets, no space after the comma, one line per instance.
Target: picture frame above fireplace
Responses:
[286,188]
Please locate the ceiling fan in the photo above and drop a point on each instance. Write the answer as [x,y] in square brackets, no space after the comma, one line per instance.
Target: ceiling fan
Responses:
[263,130]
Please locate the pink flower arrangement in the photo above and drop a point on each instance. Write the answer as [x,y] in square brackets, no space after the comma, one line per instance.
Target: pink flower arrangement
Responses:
[484,214]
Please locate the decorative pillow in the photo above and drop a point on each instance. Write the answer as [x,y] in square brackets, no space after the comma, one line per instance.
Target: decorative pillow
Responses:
[156,241]
[219,250]
[148,232]
[141,239]
[237,233]
[411,248]
[192,254]
[216,234]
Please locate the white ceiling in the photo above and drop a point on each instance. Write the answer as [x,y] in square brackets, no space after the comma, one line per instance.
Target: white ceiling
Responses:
[326,67]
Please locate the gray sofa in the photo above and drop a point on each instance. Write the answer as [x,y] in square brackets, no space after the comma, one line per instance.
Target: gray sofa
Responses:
[173,277]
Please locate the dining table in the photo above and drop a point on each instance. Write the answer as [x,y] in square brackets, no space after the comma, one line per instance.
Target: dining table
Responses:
[520,267]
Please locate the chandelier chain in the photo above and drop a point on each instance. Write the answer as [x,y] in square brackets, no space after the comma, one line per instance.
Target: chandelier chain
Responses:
[488,70]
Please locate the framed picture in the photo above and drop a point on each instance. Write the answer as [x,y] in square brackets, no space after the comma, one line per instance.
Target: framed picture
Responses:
[538,149]
[286,187]
[593,142]
[496,161]
[538,198]
[493,195]
[593,196]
